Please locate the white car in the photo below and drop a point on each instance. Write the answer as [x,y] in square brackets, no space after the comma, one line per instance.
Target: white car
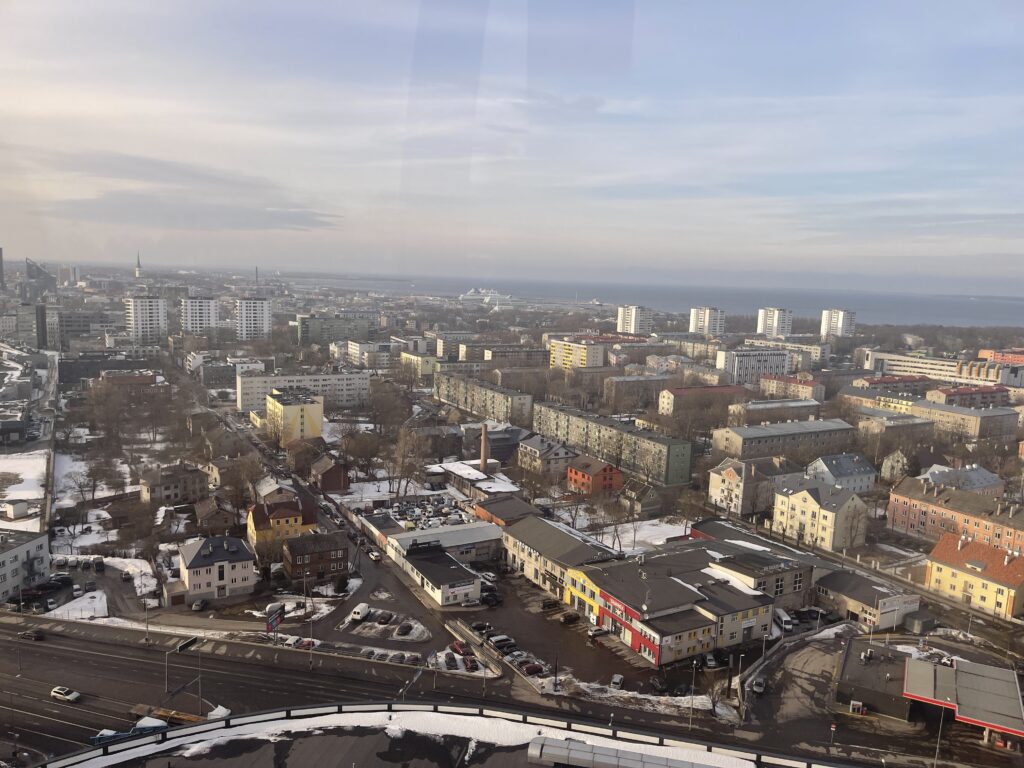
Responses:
[77,591]
[374,555]
[488,576]
[60,693]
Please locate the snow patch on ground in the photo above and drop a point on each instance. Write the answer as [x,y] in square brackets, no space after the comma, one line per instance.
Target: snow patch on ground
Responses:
[670,705]
[141,571]
[91,605]
[30,471]
[649,534]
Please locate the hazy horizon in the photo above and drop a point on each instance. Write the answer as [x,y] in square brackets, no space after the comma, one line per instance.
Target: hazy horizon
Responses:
[791,145]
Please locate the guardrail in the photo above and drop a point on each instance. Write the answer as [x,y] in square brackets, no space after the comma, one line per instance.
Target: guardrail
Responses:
[181,735]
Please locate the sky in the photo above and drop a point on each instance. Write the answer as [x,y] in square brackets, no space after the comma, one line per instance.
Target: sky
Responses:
[808,144]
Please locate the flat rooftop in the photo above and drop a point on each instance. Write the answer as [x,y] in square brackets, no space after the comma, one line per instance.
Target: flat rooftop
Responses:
[978,694]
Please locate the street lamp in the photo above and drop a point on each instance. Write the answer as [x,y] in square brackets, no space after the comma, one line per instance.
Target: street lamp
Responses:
[693,685]
[938,739]
[764,645]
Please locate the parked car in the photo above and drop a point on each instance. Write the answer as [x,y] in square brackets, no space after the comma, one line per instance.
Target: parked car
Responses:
[72,562]
[77,591]
[374,555]
[397,658]
[385,617]
[486,588]
[492,599]
[488,576]
[480,626]
[570,618]
[51,604]
[659,685]
[710,662]
[461,647]
[305,645]
[32,634]
[470,664]
[86,564]
[596,632]
[513,656]
[199,605]
[90,586]
[369,653]
[470,602]
[61,693]
[549,604]
[97,563]
[59,562]
[758,686]
[502,641]
[126,576]
[404,629]
[412,658]
[532,669]
[616,682]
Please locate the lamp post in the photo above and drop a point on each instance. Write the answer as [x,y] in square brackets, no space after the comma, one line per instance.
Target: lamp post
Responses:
[693,685]
[938,739]
[764,645]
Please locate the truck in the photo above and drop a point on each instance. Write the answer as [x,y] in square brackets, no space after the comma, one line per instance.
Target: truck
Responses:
[172,716]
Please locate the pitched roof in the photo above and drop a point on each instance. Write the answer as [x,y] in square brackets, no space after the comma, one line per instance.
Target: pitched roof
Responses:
[202,553]
[210,506]
[508,508]
[841,465]
[555,542]
[588,465]
[826,496]
[984,560]
[311,543]
[324,463]
[967,478]
[262,513]
[951,498]
[858,587]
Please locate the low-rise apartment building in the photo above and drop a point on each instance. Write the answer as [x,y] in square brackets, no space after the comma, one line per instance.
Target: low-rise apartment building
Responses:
[316,558]
[821,515]
[592,477]
[340,388]
[631,393]
[745,488]
[799,387]
[487,401]
[910,385]
[970,397]
[927,510]
[672,401]
[769,411]
[24,562]
[576,353]
[789,438]
[747,366]
[982,576]
[656,458]
[294,413]
[515,356]
[970,477]
[969,425]
[817,353]
[268,525]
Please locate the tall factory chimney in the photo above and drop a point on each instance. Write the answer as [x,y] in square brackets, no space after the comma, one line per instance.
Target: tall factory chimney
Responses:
[3,278]
[484,448]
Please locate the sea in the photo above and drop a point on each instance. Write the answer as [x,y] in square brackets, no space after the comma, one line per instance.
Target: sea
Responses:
[872,308]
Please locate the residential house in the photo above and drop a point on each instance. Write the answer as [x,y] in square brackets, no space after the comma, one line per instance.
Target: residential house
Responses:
[544,456]
[982,576]
[592,477]
[819,514]
[174,484]
[851,471]
[639,499]
[316,558]
[215,470]
[300,454]
[215,514]
[543,550]
[269,524]
[214,568]
[746,488]
[329,474]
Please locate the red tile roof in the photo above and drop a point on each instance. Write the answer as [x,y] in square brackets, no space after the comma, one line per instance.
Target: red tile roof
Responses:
[984,560]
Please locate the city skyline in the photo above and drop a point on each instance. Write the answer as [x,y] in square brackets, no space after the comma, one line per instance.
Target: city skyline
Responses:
[505,139]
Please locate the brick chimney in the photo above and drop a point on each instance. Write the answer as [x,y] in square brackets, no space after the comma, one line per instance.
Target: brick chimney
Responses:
[484,448]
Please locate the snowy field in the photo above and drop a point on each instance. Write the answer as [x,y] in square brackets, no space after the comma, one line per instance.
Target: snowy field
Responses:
[648,534]
[65,465]
[499,732]
[28,473]
[91,605]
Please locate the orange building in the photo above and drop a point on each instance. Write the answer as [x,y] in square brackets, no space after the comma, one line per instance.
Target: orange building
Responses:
[1013,356]
[593,477]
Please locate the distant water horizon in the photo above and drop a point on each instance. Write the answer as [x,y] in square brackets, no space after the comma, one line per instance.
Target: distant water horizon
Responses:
[872,308]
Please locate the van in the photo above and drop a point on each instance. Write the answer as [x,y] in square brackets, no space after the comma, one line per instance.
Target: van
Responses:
[782,619]
[360,612]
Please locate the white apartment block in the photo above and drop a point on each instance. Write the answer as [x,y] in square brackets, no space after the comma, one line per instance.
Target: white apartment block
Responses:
[836,323]
[774,322]
[252,319]
[341,389]
[145,318]
[969,372]
[816,353]
[747,366]
[24,561]
[198,314]
[707,321]
[638,321]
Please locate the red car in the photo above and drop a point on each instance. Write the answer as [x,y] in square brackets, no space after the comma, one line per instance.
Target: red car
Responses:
[462,648]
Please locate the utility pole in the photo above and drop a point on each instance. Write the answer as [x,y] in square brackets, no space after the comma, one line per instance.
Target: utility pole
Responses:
[693,687]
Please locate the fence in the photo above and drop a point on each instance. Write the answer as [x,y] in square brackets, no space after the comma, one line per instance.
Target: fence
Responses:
[179,736]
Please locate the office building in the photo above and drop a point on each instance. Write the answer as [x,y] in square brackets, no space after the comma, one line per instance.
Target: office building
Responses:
[747,366]
[837,323]
[145,318]
[707,321]
[198,314]
[638,321]
[252,319]
[774,322]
